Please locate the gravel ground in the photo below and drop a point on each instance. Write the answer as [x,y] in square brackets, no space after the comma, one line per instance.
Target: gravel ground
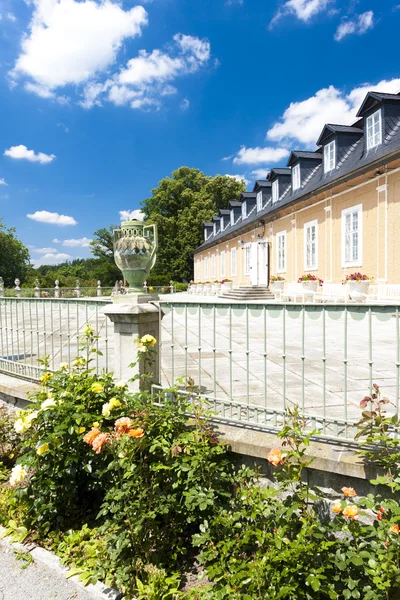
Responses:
[35,582]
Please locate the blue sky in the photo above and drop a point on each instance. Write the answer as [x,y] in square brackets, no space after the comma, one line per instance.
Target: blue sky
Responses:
[101,100]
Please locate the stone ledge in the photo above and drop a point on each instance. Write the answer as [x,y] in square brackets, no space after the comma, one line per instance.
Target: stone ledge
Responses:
[16,391]
[329,457]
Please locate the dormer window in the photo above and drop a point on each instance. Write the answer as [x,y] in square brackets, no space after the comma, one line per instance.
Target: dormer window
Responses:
[232,217]
[244,210]
[374,129]
[259,201]
[275,191]
[215,229]
[329,157]
[295,177]
[222,223]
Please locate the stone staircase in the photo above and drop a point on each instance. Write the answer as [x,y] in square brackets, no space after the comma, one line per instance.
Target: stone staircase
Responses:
[249,292]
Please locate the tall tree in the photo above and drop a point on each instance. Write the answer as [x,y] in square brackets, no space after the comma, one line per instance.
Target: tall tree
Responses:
[102,247]
[179,206]
[14,256]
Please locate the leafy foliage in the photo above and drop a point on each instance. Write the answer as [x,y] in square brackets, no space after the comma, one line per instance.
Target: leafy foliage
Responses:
[182,203]
[14,256]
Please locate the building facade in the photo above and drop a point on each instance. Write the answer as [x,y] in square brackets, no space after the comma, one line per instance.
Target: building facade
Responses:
[330,212]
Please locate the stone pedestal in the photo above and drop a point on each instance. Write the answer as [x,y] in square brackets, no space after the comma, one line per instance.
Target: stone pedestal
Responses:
[133,316]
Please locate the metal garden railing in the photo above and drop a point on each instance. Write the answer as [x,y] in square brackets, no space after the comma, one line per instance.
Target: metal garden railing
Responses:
[251,361]
[33,328]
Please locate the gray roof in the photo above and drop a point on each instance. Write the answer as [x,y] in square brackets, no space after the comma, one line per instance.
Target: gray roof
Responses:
[261,183]
[374,97]
[224,211]
[356,161]
[295,154]
[329,129]
[279,171]
[234,204]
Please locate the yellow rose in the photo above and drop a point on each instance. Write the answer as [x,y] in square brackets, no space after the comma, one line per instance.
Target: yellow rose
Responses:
[20,425]
[81,430]
[42,449]
[96,424]
[121,384]
[88,331]
[97,388]
[106,410]
[46,377]
[18,474]
[114,403]
[64,366]
[149,340]
[48,404]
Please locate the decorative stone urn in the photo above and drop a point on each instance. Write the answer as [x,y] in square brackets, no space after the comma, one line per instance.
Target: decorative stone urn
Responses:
[358,290]
[135,252]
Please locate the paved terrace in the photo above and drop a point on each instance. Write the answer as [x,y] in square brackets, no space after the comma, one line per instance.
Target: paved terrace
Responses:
[320,372]
[258,355]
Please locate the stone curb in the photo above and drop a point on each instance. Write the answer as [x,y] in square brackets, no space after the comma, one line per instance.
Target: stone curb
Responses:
[98,591]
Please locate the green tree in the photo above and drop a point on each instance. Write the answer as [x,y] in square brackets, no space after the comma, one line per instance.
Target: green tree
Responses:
[179,206]
[102,248]
[14,256]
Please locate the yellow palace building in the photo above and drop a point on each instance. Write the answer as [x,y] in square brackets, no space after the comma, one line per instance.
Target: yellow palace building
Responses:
[329,212]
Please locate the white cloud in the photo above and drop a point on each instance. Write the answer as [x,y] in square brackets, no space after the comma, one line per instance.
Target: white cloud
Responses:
[43,216]
[147,76]
[72,42]
[184,105]
[238,178]
[234,2]
[358,25]
[129,215]
[11,17]
[69,41]
[304,10]
[3,181]
[51,259]
[79,243]
[56,241]
[43,250]
[22,152]
[4,197]
[260,173]
[255,156]
[64,127]
[303,121]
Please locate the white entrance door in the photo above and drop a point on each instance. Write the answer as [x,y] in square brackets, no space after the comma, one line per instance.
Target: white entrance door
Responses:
[254,263]
[263,263]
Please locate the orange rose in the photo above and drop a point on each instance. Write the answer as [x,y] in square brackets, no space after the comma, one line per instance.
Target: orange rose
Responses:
[123,425]
[349,492]
[99,441]
[337,507]
[136,433]
[395,529]
[91,435]
[275,457]
[351,512]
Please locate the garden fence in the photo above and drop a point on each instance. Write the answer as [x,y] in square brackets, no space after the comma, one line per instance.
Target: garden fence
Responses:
[33,328]
[252,361]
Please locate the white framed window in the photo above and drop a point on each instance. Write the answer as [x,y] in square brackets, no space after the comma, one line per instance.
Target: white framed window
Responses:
[329,156]
[295,177]
[222,264]
[215,228]
[275,191]
[374,129]
[244,209]
[311,245]
[281,252]
[206,270]
[222,223]
[213,267]
[259,201]
[352,236]
[232,217]
[233,262]
[247,259]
